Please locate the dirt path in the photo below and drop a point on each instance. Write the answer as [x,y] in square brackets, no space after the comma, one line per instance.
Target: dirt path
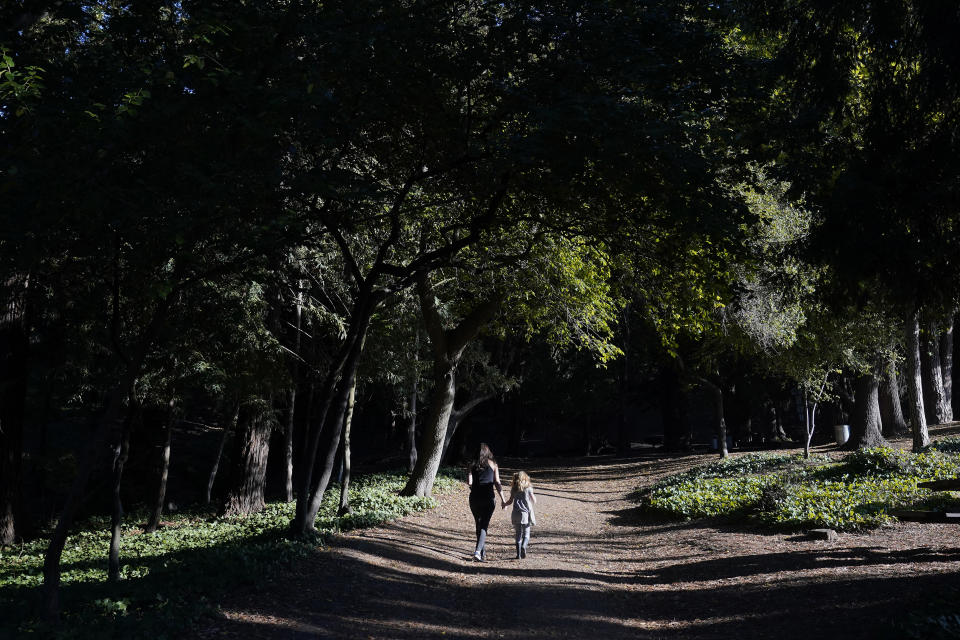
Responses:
[598,569]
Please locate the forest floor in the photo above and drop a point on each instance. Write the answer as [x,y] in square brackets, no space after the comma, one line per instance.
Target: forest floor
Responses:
[599,567]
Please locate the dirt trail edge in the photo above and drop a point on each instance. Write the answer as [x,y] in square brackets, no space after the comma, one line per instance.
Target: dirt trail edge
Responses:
[598,568]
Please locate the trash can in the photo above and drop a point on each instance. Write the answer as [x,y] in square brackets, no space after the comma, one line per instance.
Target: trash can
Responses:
[841,433]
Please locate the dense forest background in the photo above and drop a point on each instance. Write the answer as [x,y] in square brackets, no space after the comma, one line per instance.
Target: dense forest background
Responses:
[243,244]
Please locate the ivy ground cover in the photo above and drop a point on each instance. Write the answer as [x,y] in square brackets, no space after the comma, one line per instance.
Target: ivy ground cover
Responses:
[857,491]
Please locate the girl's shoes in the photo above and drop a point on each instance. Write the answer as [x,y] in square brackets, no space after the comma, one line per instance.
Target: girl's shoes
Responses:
[478,556]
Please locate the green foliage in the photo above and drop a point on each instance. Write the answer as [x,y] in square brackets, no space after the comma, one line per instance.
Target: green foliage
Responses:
[786,492]
[175,575]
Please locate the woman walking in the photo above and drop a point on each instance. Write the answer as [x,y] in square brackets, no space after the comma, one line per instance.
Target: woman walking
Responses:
[483,476]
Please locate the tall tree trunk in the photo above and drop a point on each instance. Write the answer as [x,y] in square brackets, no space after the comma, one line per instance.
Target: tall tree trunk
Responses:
[229,427]
[720,422]
[933,394]
[344,362]
[14,347]
[447,346]
[865,423]
[292,400]
[434,430]
[246,494]
[946,368]
[623,430]
[121,451]
[332,438]
[412,426]
[891,412]
[918,421]
[345,451]
[154,520]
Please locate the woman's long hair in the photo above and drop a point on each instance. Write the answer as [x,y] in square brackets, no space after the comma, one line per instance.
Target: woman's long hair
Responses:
[483,455]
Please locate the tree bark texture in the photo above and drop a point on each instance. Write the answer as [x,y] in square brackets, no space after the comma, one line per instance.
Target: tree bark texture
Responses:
[932,378]
[891,411]
[918,420]
[946,369]
[161,497]
[434,430]
[865,423]
[345,451]
[246,494]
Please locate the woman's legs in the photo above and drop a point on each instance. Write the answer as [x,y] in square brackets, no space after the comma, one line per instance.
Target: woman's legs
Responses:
[482,510]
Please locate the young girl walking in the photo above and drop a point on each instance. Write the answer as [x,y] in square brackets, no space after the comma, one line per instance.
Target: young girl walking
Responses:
[523,516]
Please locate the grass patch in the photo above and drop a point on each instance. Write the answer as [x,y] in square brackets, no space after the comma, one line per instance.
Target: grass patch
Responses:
[788,492]
[173,578]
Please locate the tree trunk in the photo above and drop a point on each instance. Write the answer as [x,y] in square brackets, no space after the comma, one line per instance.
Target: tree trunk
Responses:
[933,394]
[434,430]
[14,347]
[412,432]
[246,495]
[918,422]
[288,432]
[332,439]
[411,445]
[345,452]
[623,430]
[891,412]
[720,422]
[228,428]
[154,520]
[51,562]
[121,451]
[865,422]
[946,369]
[447,346]
[345,361]
[129,373]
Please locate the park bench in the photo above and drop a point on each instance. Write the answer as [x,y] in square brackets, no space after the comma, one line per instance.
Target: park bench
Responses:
[950,484]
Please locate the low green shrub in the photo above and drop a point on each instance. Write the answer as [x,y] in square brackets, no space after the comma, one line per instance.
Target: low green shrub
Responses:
[789,492]
[174,576]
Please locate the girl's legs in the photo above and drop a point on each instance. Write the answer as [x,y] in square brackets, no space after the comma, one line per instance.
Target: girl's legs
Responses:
[524,540]
[518,538]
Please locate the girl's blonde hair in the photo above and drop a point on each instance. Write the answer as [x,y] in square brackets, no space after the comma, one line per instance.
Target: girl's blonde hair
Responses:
[520,482]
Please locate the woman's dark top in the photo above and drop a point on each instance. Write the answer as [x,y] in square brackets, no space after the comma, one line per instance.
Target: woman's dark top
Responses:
[483,476]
